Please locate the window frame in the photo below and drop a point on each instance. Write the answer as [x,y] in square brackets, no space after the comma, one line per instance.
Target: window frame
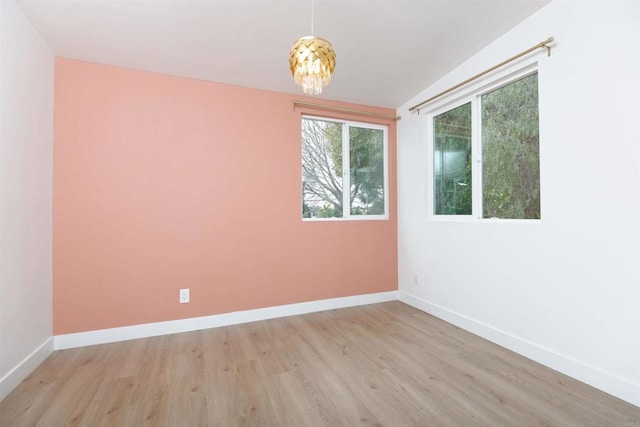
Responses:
[346,176]
[472,94]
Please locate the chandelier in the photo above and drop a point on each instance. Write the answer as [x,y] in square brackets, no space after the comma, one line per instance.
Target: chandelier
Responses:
[312,61]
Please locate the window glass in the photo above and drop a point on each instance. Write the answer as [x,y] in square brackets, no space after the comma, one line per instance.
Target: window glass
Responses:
[510,151]
[452,161]
[486,154]
[321,169]
[366,171]
[339,155]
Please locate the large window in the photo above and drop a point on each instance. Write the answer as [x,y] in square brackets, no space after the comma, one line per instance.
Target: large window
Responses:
[344,169]
[485,154]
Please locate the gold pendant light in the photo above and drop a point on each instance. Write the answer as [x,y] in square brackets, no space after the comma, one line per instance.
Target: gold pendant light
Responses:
[312,61]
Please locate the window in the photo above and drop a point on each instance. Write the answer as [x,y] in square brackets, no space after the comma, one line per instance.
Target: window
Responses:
[485,154]
[339,155]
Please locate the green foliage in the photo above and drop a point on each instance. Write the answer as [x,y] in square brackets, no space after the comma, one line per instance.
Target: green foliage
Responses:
[452,161]
[333,136]
[510,154]
[322,165]
[510,150]
[366,167]
[328,211]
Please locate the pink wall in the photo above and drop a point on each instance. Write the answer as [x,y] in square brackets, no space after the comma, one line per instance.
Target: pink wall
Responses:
[163,182]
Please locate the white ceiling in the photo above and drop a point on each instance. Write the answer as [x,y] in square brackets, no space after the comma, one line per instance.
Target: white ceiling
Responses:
[387,51]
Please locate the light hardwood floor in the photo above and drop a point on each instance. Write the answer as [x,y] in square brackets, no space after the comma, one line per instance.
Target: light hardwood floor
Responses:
[384,364]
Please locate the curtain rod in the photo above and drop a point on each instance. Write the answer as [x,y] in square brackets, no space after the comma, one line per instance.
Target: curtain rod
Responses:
[543,44]
[344,110]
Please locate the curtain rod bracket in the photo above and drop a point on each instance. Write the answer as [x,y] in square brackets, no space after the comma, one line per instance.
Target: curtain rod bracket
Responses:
[545,44]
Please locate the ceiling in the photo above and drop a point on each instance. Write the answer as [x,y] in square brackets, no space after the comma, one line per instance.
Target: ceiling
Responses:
[387,51]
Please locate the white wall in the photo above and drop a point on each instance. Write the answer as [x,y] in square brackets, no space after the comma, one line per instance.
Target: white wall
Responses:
[26,147]
[564,291]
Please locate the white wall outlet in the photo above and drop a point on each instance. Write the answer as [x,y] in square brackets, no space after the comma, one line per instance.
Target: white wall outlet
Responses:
[184,296]
[416,279]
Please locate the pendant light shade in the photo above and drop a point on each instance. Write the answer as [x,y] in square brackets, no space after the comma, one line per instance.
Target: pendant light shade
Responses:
[312,61]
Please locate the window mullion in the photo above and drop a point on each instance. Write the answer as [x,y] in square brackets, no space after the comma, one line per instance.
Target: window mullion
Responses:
[346,178]
[476,147]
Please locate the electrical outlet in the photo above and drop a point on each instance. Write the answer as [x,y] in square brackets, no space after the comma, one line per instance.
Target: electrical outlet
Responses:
[416,279]
[184,296]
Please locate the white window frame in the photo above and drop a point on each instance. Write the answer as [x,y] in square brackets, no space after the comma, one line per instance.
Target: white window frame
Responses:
[346,178]
[458,98]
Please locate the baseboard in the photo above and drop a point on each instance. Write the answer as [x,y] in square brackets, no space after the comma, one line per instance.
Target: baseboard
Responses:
[607,382]
[595,377]
[104,336]
[25,367]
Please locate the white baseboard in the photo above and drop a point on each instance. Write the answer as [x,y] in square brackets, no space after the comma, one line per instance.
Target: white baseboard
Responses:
[25,367]
[605,381]
[104,336]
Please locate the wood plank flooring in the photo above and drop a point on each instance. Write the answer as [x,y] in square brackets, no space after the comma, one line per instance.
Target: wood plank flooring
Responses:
[383,365]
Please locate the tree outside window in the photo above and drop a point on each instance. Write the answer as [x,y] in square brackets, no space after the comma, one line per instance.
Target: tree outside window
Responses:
[338,155]
[506,181]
